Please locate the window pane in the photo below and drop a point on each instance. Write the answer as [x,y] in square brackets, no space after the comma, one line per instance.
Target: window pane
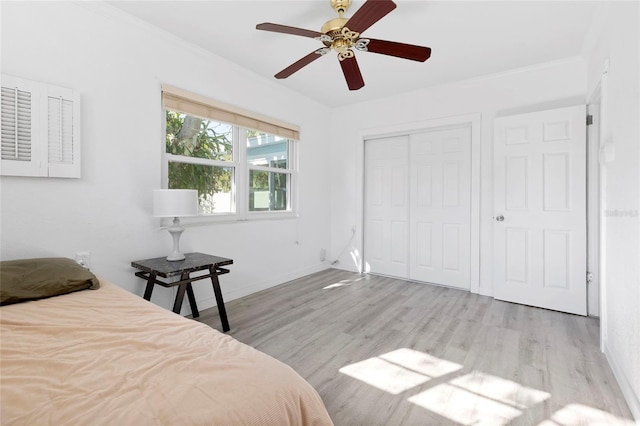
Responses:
[213,184]
[268,191]
[267,150]
[198,137]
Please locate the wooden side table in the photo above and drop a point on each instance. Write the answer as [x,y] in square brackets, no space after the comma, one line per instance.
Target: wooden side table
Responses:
[151,269]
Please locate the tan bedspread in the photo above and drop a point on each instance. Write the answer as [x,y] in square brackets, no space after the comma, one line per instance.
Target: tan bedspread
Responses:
[108,357]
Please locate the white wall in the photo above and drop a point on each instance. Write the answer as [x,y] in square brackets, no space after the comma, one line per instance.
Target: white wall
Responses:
[118,66]
[546,86]
[615,36]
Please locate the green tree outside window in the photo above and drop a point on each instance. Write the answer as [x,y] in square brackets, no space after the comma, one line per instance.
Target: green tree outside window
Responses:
[197,137]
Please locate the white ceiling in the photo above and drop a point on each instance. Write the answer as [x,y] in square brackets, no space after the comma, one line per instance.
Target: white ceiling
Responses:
[467,38]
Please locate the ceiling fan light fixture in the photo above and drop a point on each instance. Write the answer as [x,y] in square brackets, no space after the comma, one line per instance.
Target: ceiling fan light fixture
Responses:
[344,40]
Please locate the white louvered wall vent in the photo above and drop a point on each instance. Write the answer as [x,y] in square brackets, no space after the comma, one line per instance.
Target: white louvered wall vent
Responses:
[40,129]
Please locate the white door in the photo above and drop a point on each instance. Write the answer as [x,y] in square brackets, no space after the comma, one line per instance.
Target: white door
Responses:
[539,227]
[386,206]
[440,207]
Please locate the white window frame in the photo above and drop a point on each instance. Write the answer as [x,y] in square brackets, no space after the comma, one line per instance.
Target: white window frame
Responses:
[241,168]
[291,170]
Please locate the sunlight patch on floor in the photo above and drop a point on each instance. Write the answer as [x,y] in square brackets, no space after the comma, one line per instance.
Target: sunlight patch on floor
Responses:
[475,398]
[479,398]
[578,414]
[399,370]
[421,362]
[384,375]
[342,283]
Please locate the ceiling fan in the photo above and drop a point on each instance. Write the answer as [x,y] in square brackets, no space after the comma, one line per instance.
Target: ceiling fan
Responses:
[343,35]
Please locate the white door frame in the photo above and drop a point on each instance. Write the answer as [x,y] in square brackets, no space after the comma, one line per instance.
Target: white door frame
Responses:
[594,189]
[474,120]
[600,92]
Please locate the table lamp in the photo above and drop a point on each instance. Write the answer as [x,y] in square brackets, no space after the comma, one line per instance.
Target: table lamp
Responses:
[175,203]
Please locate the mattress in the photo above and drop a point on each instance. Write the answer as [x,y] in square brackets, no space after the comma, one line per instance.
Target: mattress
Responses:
[109,357]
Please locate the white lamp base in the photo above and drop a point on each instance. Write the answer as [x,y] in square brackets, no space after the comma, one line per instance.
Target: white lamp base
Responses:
[175,230]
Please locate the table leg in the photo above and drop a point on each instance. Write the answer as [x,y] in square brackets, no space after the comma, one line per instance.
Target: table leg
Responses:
[219,301]
[177,306]
[192,301]
[150,282]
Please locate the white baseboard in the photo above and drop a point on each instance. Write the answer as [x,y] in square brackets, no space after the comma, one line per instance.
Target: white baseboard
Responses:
[349,267]
[627,391]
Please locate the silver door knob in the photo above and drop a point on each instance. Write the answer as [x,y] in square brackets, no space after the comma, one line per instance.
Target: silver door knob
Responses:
[499,218]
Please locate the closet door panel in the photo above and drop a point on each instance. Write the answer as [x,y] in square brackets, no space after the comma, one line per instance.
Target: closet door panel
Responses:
[440,196]
[386,226]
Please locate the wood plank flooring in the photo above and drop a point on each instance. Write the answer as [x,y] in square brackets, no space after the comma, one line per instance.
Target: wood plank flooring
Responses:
[383,351]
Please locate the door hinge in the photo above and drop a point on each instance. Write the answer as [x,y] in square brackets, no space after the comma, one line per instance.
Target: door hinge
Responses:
[589,120]
[589,277]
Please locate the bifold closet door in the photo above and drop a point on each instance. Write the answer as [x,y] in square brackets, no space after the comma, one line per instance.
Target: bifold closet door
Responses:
[386,206]
[440,207]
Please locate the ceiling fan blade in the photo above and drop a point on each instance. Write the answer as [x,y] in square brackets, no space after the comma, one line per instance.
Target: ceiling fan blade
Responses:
[369,13]
[352,74]
[277,28]
[296,66]
[400,50]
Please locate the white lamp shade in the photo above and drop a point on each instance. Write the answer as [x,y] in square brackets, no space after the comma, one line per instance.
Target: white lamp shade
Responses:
[175,202]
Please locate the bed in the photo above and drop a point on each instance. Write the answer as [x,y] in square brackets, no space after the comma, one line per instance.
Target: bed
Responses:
[106,356]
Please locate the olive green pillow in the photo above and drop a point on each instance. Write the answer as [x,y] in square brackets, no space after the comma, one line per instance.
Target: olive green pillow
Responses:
[31,279]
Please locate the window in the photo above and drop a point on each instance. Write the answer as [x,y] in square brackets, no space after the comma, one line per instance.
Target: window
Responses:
[243,166]
[200,156]
[269,172]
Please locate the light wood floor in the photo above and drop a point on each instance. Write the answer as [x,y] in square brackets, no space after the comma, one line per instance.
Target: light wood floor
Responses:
[383,351]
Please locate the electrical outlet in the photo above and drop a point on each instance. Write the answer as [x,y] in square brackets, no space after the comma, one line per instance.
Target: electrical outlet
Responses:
[84,259]
[323,255]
